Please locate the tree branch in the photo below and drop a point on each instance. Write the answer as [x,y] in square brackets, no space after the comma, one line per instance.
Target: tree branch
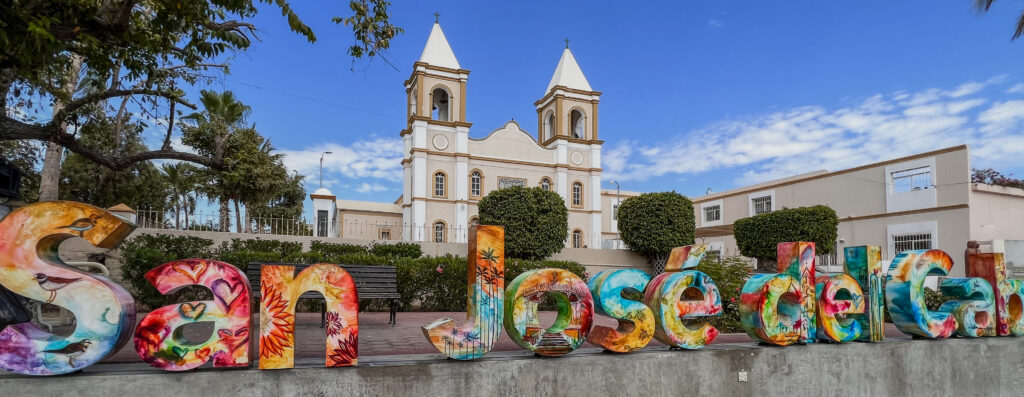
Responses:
[11,129]
[100,96]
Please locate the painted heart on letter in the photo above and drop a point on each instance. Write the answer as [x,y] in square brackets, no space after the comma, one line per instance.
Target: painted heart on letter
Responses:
[226,293]
[179,351]
[191,268]
[192,310]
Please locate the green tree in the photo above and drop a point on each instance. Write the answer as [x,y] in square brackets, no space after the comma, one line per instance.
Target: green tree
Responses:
[536,221]
[183,183]
[758,236]
[141,185]
[652,224]
[984,5]
[143,49]
[25,155]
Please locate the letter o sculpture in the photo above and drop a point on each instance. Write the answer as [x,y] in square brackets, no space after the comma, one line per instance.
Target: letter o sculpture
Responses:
[575,311]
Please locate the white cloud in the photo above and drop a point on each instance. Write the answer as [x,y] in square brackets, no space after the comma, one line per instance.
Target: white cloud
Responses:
[1016,89]
[375,158]
[366,188]
[714,23]
[808,138]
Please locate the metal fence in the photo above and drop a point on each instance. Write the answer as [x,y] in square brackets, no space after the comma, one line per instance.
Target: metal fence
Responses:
[206,221]
[435,232]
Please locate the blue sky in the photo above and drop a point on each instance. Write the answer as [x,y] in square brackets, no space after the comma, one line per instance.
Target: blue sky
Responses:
[695,94]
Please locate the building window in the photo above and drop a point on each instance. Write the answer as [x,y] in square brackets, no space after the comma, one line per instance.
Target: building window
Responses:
[439,229]
[440,184]
[761,205]
[911,180]
[714,213]
[577,124]
[916,241]
[577,238]
[412,101]
[545,183]
[475,183]
[577,194]
[439,109]
[385,234]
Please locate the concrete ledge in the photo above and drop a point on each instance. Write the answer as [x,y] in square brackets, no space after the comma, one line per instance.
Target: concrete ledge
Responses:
[990,366]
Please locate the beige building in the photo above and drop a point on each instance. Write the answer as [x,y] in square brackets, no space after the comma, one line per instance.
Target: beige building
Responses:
[917,202]
[920,201]
[446,172]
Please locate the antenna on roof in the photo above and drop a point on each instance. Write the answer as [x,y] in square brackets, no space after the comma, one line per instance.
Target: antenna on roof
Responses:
[709,191]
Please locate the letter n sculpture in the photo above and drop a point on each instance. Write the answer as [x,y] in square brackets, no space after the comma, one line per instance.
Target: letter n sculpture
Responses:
[485,304]
[280,291]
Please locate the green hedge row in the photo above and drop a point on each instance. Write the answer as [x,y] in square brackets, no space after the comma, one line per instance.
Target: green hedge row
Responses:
[429,283]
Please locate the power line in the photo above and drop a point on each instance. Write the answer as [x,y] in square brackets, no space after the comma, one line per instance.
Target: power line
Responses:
[315,100]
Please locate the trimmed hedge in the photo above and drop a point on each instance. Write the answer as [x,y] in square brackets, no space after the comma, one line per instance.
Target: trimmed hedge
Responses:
[535,220]
[434,283]
[758,236]
[402,250]
[652,224]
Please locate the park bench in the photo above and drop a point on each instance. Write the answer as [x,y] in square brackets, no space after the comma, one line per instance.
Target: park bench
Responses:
[372,282]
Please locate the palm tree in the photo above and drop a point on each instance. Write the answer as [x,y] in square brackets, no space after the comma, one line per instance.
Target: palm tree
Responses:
[222,116]
[182,179]
[984,5]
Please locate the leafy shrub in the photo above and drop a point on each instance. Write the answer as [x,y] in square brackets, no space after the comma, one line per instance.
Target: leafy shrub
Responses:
[402,250]
[758,236]
[535,220]
[285,248]
[652,224]
[143,252]
[334,250]
[933,299]
[729,274]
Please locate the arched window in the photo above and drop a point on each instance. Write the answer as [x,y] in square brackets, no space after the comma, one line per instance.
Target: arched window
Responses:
[439,231]
[577,125]
[577,238]
[549,126]
[545,183]
[476,181]
[577,194]
[440,109]
[440,184]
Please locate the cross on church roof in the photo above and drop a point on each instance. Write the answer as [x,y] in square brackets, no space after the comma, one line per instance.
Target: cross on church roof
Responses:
[566,42]
[436,16]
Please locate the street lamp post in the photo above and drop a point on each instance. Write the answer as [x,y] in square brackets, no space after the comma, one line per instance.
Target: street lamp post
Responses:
[322,167]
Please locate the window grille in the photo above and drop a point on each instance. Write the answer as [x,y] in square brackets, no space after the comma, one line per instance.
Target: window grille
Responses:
[912,179]
[762,205]
[917,241]
[713,213]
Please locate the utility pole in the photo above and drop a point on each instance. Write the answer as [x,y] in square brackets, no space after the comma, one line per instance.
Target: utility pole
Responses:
[322,167]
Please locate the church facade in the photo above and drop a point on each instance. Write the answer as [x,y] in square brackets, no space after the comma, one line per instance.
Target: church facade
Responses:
[446,172]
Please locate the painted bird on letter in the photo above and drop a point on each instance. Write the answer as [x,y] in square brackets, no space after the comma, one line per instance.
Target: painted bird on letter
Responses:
[52,284]
[82,224]
[72,350]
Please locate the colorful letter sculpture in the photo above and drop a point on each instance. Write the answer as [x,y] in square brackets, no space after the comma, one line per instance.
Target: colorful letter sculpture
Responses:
[864,264]
[779,308]
[636,321]
[575,311]
[158,336]
[485,305]
[974,309]
[681,297]
[904,293]
[685,257]
[30,266]
[839,295]
[279,292]
[1008,293]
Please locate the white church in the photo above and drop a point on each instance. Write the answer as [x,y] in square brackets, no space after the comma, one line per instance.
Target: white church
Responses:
[447,172]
